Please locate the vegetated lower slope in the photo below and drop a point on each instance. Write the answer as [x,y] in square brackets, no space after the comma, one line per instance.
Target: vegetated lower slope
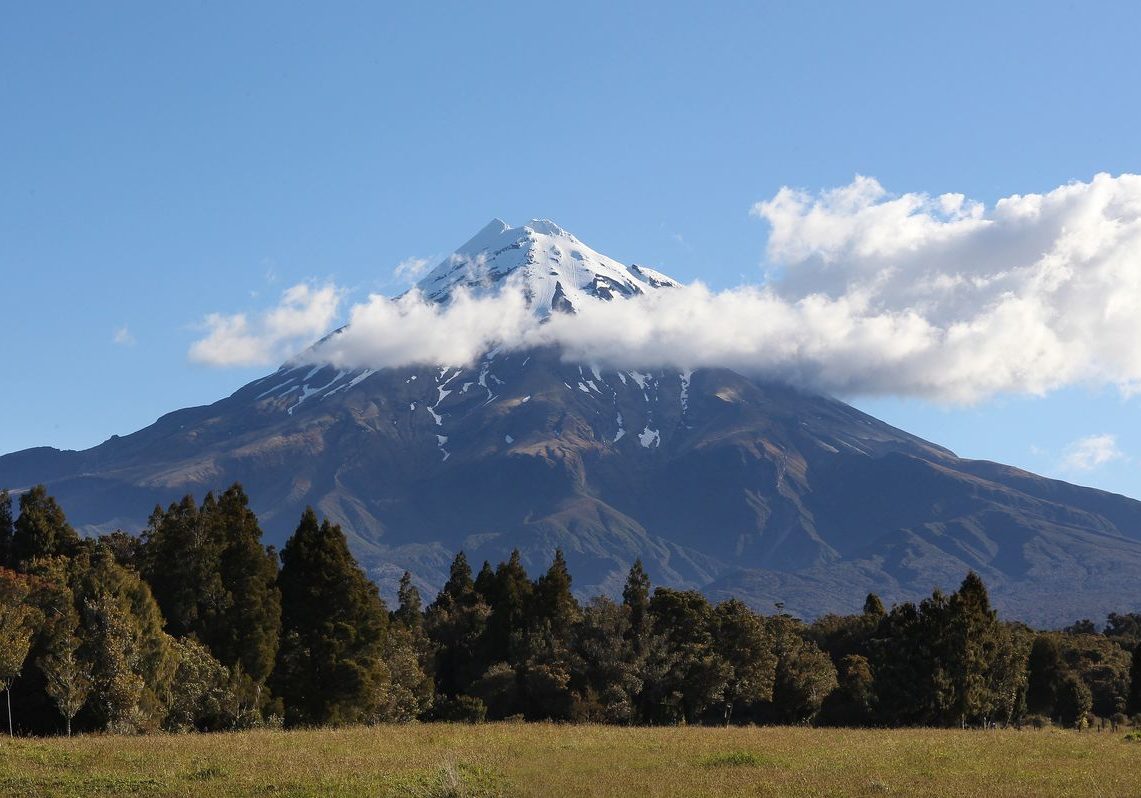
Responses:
[713,479]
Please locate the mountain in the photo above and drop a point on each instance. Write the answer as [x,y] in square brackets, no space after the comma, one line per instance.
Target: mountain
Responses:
[718,481]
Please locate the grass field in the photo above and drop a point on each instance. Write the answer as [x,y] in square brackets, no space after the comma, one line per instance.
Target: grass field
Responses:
[550,760]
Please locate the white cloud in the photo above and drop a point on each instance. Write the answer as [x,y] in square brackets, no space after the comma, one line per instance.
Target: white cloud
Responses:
[1090,452]
[410,270]
[122,336]
[867,293]
[304,313]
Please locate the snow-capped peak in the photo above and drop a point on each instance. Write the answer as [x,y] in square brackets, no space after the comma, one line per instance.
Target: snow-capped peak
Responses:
[555,270]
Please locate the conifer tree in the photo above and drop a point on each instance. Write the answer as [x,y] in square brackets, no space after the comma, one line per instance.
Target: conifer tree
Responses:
[6,531]
[553,603]
[245,632]
[331,667]
[636,599]
[485,583]
[971,646]
[456,623]
[873,606]
[215,580]
[510,608]
[41,530]
[458,588]
[409,613]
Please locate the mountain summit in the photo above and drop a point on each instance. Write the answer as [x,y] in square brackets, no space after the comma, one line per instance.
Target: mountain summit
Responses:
[715,480]
[554,269]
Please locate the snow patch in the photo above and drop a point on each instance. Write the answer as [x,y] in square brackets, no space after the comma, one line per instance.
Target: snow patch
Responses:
[650,437]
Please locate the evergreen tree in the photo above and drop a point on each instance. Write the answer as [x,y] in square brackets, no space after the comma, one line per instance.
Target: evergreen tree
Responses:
[554,604]
[331,667]
[852,702]
[408,613]
[1074,701]
[409,657]
[636,599]
[805,676]
[132,659]
[609,673]
[1046,671]
[6,531]
[969,649]
[690,677]
[18,621]
[459,586]
[67,677]
[215,580]
[485,583]
[41,530]
[245,632]
[743,642]
[510,610]
[873,607]
[204,693]
[456,623]
[1133,705]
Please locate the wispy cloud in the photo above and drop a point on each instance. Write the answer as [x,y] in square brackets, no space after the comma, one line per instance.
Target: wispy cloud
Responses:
[122,336]
[304,313]
[410,270]
[1091,452]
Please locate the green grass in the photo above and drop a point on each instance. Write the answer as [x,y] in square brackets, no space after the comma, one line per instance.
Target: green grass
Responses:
[439,760]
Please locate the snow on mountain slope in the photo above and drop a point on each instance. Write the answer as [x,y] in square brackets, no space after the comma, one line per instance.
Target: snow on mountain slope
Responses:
[554,269]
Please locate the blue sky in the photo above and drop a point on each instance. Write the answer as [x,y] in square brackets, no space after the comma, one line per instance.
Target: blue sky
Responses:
[162,161]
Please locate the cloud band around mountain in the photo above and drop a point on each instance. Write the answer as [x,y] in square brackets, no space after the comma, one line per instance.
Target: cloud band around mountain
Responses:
[866,293]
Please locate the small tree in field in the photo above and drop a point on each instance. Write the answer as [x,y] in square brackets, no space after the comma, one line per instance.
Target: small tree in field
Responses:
[67,678]
[17,624]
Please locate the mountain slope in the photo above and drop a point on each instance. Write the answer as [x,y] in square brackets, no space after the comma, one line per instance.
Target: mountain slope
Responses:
[717,481]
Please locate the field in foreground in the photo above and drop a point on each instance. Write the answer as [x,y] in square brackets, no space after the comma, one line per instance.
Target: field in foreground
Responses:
[550,760]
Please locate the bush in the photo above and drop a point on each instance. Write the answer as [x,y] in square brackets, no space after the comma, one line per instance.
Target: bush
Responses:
[462,709]
[1037,722]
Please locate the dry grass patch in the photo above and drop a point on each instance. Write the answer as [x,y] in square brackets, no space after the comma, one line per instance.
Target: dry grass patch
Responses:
[489,761]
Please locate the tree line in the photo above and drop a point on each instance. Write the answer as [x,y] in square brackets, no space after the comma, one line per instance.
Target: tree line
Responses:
[196,625]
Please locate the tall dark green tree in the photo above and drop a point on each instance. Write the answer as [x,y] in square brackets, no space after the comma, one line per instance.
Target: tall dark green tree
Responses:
[742,641]
[331,667]
[969,652]
[1133,704]
[245,632]
[1046,670]
[215,580]
[6,530]
[41,530]
[636,599]
[409,612]
[689,676]
[510,611]
[553,603]
[456,623]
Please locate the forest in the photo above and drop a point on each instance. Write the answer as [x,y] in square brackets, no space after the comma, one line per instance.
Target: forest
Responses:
[196,625]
